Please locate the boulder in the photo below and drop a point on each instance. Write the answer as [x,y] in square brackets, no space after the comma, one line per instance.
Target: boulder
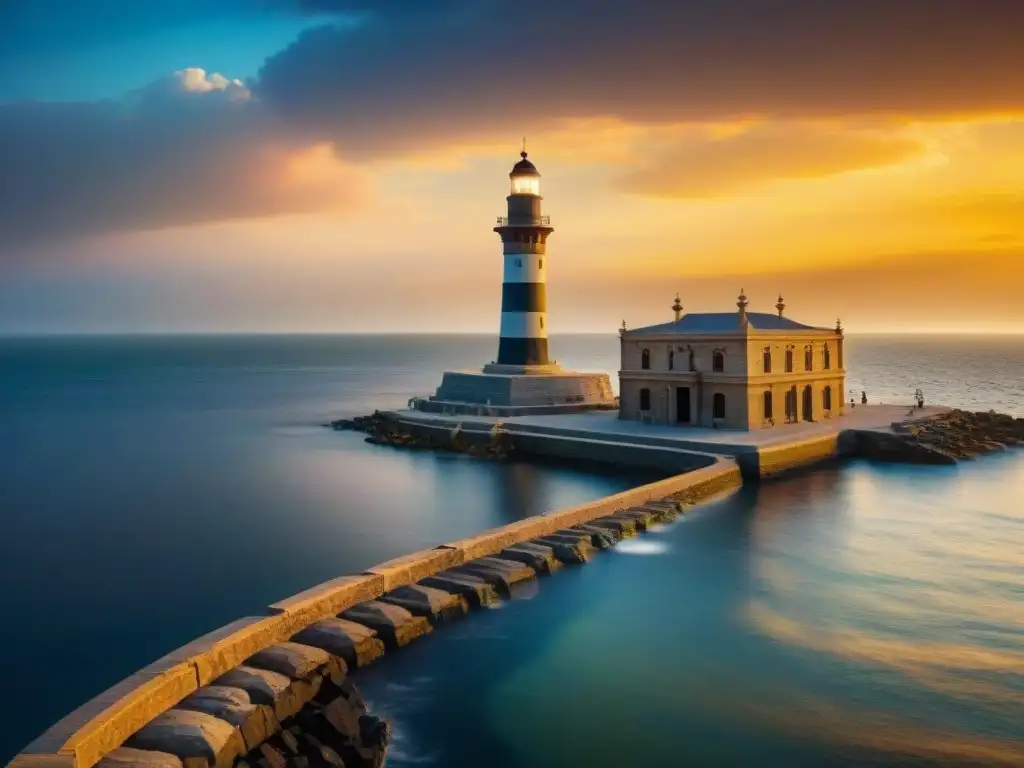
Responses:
[502,574]
[356,644]
[256,722]
[189,734]
[435,604]
[539,557]
[393,623]
[298,661]
[127,757]
[476,591]
[271,689]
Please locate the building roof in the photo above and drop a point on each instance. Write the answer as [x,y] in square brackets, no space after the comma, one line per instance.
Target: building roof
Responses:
[725,322]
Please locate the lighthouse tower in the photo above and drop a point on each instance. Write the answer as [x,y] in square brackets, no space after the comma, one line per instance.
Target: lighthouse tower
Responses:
[523,379]
[524,234]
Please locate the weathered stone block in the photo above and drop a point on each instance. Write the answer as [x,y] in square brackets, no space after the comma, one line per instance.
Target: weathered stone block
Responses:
[299,661]
[476,591]
[412,568]
[327,600]
[503,574]
[435,604]
[256,722]
[623,526]
[273,758]
[572,550]
[642,517]
[127,757]
[356,644]
[539,557]
[216,652]
[187,733]
[272,689]
[661,513]
[394,624]
[598,538]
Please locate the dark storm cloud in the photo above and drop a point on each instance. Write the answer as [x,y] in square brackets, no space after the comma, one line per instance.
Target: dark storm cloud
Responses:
[515,65]
[172,154]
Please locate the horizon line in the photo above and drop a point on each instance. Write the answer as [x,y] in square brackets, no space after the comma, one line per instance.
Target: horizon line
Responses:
[171,332]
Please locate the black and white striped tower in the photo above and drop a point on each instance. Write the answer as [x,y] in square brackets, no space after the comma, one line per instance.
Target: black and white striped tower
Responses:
[524,234]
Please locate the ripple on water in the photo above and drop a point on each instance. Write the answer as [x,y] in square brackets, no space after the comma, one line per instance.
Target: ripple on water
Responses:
[642,547]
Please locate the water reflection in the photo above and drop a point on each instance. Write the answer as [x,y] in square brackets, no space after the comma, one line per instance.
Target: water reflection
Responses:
[853,617]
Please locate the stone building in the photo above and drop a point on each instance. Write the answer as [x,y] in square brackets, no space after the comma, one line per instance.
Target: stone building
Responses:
[731,370]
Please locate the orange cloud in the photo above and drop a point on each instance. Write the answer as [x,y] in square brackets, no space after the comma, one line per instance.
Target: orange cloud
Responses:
[728,165]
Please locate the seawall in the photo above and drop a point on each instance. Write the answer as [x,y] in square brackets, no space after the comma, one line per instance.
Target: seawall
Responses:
[275,684]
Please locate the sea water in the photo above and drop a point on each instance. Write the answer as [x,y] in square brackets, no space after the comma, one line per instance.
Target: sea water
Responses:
[154,488]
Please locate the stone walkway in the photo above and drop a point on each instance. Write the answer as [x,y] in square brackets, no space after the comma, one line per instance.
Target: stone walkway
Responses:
[607,423]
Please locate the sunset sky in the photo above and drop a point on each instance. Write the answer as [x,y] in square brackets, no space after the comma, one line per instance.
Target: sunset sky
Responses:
[337,165]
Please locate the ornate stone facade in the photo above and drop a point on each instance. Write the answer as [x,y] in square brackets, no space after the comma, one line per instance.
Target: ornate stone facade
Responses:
[731,370]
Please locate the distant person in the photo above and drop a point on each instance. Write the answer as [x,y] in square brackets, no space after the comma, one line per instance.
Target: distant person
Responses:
[863,398]
[853,403]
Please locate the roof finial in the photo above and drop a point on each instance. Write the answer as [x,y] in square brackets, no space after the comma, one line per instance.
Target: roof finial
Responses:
[622,330]
[839,325]
[781,305]
[523,153]
[742,304]
[678,308]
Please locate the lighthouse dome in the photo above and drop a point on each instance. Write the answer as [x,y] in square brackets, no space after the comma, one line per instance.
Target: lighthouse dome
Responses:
[524,168]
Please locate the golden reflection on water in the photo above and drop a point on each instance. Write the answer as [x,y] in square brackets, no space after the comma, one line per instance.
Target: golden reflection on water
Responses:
[919,583]
[813,718]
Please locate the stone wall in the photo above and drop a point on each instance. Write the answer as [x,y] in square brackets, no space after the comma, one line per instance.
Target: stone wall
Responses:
[666,455]
[774,460]
[265,690]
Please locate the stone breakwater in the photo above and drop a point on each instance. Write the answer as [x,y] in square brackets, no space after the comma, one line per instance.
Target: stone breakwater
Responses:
[945,439]
[384,429]
[272,691]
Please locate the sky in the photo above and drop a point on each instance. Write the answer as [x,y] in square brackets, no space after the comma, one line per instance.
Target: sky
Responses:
[337,165]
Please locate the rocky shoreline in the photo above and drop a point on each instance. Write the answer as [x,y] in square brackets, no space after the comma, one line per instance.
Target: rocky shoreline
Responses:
[954,436]
[382,429]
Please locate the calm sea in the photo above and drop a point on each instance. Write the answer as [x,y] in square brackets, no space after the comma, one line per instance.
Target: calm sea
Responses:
[152,489]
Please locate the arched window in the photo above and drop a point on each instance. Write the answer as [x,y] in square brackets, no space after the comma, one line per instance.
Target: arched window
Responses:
[718,361]
[826,355]
[768,360]
[789,361]
[645,359]
[645,399]
[791,404]
[768,405]
[826,398]
[671,359]
[808,358]
[718,406]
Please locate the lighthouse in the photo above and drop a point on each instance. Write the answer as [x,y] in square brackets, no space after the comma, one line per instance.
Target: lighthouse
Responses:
[524,233]
[522,379]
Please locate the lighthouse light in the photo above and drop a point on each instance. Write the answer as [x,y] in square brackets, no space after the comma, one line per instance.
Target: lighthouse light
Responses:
[526,185]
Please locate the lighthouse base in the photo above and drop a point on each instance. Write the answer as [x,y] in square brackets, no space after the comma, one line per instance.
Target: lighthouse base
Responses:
[519,391]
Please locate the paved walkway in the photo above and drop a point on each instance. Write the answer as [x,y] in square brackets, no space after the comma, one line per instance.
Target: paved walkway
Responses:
[873,417]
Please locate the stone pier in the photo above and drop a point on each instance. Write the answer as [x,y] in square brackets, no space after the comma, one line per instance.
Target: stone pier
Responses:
[273,691]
